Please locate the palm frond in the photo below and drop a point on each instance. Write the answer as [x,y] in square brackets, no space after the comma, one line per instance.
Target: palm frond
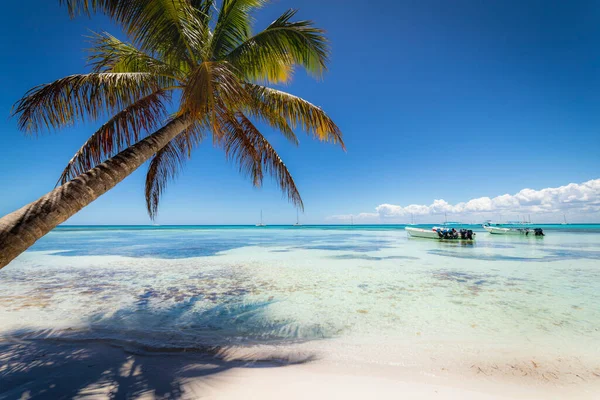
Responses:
[270,55]
[109,54]
[261,112]
[298,112]
[205,16]
[166,164]
[245,145]
[234,25]
[172,27]
[271,161]
[82,97]
[238,147]
[209,83]
[121,131]
[205,7]
[87,7]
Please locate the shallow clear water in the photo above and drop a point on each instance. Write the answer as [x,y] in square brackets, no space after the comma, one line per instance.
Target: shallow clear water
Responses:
[351,292]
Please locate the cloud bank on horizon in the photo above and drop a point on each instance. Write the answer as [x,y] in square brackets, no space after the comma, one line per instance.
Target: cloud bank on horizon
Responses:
[581,199]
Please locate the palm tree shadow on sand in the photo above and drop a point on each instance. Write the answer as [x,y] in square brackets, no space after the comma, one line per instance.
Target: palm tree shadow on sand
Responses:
[44,364]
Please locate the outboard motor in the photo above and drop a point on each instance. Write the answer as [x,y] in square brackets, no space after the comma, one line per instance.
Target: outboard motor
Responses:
[538,232]
[469,234]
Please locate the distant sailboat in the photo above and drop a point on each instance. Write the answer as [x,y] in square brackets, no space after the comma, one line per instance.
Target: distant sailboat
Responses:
[565,220]
[297,219]
[261,220]
[412,219]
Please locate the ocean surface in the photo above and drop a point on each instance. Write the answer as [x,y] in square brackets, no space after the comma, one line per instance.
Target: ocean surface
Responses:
[361,294]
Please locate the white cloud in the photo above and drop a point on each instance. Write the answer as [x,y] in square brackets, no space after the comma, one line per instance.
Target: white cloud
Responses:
[575,199]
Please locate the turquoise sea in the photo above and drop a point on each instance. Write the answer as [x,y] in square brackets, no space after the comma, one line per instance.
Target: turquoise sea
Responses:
[360,294]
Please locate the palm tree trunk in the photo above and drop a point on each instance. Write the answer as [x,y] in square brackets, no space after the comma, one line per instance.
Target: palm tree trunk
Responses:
[22,228]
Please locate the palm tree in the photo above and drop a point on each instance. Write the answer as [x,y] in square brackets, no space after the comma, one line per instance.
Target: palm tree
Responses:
[183,55]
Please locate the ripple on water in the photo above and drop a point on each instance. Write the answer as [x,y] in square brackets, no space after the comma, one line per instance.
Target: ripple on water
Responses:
[372,258]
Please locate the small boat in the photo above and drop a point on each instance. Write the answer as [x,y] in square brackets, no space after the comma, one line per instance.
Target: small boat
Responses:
[297,220]
[500,230]
[261,220]
[440,233]
[565,220]
[422,233]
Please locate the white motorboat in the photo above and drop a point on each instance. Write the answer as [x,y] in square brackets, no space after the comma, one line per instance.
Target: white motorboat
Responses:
[501,230]
[440,233]
[422,233]
[497,230]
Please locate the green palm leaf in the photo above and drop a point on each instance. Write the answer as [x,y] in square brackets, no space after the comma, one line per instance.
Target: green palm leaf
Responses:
[212,83]
[121,131]
[173,26]
[269,161]
[270,55]
[298,112]
[166,164]
[82,97]
[109,54]
[234,25]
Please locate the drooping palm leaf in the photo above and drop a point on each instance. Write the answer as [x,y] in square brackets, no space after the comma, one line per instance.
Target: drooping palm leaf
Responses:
[261,112]
[166,164]
[271,162]
[246,147]
[298,112]
[121,131]
[82,97]
[238,146]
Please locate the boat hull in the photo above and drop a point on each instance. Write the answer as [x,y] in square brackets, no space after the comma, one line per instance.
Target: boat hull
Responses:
[422,233]
[500,231]
[496,230]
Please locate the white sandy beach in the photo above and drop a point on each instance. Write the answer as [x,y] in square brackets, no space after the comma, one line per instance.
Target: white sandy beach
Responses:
[91,370]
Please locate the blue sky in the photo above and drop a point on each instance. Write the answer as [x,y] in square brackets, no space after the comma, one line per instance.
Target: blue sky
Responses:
[436,99]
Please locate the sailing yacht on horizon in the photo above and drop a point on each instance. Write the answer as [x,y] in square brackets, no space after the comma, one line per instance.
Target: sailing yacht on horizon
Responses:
[297,219]
[261,220]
